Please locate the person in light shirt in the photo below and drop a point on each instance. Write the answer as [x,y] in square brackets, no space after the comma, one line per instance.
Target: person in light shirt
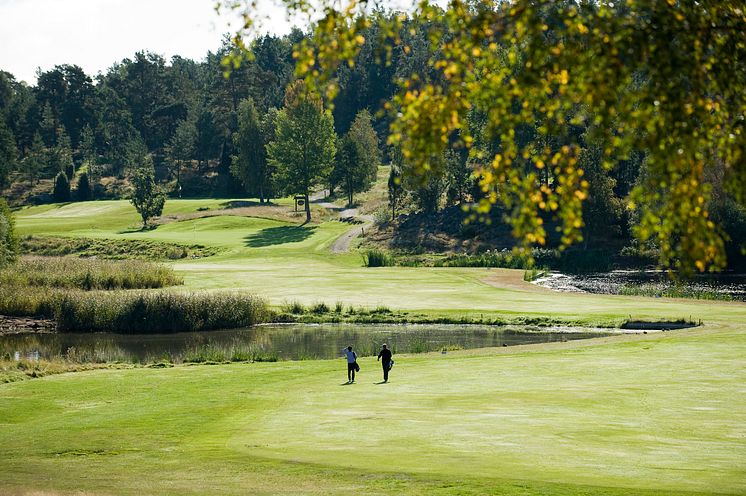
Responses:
[351,364]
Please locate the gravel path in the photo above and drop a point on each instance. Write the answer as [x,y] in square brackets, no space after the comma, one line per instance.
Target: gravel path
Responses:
[363,222]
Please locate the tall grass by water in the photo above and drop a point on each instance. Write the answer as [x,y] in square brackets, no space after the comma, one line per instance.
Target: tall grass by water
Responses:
[158,312]
[135,312]
[377,258]
[88,274]
[675,291]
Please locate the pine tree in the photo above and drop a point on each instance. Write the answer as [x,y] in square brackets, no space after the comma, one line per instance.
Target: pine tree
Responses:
[83,192]
[8,152]
[181,149]
[250,164]
[34,161]
[61,188]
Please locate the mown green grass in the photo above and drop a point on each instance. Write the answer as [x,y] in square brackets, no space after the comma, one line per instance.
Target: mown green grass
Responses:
[655,414]
[287,262]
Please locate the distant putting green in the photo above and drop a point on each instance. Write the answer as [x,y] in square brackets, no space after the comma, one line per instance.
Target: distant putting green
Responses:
[285,261]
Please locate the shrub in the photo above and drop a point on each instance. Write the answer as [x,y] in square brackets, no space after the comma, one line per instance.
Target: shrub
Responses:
[381,217]
[61,191]
[294,307]
[319,308]
[377,258]
[8,240]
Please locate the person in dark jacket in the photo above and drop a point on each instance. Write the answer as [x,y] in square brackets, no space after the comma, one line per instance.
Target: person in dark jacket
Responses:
[385,357]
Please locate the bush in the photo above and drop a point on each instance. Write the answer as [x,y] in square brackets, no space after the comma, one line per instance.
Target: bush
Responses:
[319,308]
[61,188]
[377,258]
[381,217]
[533,274]
[294,307]
[8,240]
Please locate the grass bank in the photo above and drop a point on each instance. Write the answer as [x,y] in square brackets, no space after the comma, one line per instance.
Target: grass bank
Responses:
[657,414]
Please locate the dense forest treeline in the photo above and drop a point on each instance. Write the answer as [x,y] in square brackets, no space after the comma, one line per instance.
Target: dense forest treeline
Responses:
[212,132]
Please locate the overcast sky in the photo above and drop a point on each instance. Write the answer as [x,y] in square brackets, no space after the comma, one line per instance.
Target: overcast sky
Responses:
[95,34]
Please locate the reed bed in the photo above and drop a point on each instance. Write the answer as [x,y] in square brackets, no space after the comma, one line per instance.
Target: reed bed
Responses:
[88,274]
[143,312]
[134,312]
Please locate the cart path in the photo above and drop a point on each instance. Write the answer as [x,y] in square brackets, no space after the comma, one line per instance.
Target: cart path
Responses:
[342,244]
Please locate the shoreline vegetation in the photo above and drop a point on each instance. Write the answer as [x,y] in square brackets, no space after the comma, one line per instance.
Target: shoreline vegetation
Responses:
[140,312]
[89,295]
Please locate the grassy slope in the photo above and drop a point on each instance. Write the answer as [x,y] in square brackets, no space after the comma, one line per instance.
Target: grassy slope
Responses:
[285,262]
[656,414]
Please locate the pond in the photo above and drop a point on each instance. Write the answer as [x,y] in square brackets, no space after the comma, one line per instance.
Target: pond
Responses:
[655,283]
[270,342]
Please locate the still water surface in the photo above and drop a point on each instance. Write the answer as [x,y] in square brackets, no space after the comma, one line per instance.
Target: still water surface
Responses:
[291,342]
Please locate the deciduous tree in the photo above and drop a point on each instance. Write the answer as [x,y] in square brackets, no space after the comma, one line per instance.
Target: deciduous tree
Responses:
[667,78]
[147,197]
[304,146]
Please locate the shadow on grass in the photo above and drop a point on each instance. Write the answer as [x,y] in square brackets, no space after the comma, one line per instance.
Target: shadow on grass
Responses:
[244,203]
[132,229]
[278,235]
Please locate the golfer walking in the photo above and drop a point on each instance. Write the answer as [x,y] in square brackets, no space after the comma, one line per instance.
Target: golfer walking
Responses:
[351,364]
[386,361]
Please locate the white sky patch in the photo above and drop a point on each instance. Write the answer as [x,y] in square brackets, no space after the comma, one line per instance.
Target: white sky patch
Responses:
[95,34]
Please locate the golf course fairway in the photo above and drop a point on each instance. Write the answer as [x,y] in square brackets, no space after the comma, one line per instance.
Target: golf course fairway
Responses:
[656,414]
[661,413]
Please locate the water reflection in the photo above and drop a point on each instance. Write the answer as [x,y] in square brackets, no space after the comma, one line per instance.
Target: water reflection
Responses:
[294,342]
